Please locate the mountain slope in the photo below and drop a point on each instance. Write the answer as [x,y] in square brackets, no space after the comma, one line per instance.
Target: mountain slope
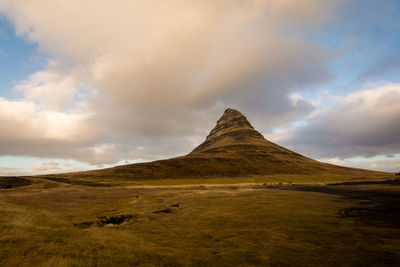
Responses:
[233,148]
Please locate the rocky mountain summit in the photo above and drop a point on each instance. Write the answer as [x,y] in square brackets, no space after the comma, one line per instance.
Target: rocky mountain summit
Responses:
[232,121]
[234,136]
[232,128]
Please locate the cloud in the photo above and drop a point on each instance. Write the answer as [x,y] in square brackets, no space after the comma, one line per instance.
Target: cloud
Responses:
[51,90]
[384,66]
[6,171]
[379,163]
[26,129]
[366,123]
[25,120]
[142,80]
[46,166]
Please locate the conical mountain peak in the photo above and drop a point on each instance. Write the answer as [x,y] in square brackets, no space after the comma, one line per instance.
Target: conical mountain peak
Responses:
[232,129]
[231,120]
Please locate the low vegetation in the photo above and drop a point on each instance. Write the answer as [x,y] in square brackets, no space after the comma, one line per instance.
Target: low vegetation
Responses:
[196,225]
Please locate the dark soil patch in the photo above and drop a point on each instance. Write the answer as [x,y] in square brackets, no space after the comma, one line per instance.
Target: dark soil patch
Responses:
[83,225]
[117,220]
[167,210]
[11,181]
[104,220]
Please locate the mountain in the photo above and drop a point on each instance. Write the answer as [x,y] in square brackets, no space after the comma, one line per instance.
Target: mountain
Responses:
[235,136]
[233,148]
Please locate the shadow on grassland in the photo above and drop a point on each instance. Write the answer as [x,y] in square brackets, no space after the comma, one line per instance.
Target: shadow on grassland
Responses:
[378,207]
[12,181]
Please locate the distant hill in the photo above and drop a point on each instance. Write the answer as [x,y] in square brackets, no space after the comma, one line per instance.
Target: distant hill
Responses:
[233,148]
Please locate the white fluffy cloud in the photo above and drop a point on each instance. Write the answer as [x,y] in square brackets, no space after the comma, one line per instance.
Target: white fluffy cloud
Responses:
[142,79]
[28,130]
[49,89]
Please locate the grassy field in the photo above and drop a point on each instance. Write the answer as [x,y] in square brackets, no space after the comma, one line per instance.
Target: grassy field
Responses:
[53,223]
[100,181]
[273,178]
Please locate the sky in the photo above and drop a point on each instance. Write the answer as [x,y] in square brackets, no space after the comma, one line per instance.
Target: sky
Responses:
[93,84]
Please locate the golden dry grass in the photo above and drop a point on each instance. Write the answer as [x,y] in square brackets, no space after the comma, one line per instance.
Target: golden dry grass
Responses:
[55,224]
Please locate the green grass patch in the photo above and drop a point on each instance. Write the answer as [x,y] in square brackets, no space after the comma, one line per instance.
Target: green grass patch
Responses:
[277,178]
[76,182]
